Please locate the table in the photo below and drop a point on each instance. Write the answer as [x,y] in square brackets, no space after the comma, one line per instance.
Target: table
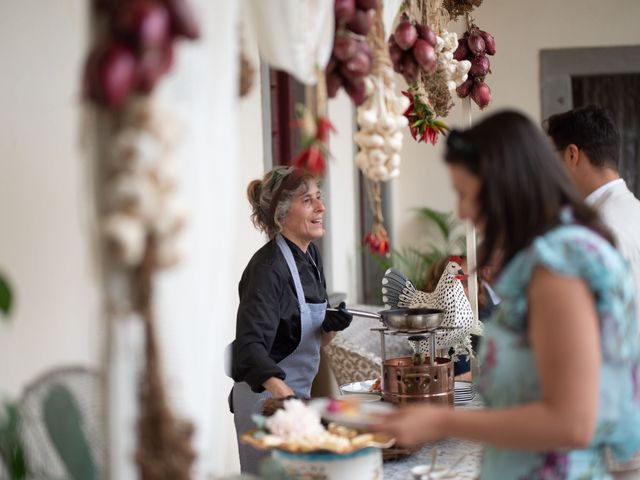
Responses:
[449,451]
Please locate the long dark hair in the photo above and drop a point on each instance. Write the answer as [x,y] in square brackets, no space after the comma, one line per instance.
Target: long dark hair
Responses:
[524,186]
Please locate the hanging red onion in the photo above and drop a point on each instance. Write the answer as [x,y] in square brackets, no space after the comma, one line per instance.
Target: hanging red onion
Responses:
[344,47]
[334,82]
[410,69]
[464,89]
[405,35]
[476,42]
[183,19]
[359,64]
[489,42]
[481,94]
[361,22]
[111,74]
[367,4]
[356,91]
[363,46]
[426,33]
[144,22]
[153,63]
[395,52]
[344,10]
[462,52]
[425,54]
[480,66]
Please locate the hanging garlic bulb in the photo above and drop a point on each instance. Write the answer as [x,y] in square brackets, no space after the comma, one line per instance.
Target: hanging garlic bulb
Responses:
[140,195]
[381,120]
[455,72]
[125,236]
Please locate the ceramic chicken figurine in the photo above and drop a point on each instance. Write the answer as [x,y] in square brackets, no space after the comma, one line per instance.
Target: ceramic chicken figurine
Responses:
[449,295]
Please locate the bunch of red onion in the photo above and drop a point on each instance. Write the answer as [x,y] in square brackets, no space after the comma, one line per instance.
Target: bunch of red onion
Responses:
[412,48]
[138,46]
[351,58]
[475,45]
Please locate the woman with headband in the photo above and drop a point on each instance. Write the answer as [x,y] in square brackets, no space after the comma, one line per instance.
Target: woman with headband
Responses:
[282,318]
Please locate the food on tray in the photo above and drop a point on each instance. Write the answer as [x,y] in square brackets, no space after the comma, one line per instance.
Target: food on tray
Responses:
[351,411]
[295,422]
[298,428]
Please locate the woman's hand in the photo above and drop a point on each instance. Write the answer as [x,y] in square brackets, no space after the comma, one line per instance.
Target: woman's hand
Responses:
[277,388]
[335,321]
[415,424]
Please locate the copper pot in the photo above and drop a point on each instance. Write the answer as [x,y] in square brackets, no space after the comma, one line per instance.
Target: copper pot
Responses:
[404,382]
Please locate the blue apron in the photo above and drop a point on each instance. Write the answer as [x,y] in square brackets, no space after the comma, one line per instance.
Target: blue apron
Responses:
[300,367]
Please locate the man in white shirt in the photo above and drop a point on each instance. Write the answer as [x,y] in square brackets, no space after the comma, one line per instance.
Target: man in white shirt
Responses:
[588,141]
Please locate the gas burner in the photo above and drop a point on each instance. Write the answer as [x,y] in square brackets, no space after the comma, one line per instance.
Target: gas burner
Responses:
[421,377]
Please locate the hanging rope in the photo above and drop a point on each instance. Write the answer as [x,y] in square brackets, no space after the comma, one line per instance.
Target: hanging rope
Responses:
[164,441]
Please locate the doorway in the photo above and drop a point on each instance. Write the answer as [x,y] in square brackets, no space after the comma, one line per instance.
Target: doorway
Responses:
[605,76]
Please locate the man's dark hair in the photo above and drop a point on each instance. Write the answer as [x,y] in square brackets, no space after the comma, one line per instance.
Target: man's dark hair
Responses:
[591,129]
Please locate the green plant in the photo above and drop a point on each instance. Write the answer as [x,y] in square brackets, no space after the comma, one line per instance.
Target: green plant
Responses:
[415,262]
[11,449]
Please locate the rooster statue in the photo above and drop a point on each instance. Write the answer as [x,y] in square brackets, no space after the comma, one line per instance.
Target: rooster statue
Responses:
[449,295]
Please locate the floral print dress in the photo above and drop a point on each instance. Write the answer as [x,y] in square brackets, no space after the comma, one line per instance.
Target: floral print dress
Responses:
[509,374]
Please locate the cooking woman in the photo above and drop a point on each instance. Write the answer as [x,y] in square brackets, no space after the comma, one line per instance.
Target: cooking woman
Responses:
[282,317]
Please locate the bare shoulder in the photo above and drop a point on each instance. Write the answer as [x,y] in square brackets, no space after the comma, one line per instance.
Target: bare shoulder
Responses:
[552,294]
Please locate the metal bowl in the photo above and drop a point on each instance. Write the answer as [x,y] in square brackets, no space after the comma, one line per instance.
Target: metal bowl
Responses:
[408,320]
[412,319]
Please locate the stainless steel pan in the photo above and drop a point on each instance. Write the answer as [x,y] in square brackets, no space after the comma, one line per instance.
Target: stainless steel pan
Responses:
[403,319]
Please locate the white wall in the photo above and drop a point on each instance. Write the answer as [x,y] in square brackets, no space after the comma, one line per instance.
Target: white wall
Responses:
[342,229]
[44,200]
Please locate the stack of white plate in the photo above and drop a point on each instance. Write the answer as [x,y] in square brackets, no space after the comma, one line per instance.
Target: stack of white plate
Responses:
[463,393]
[357,387]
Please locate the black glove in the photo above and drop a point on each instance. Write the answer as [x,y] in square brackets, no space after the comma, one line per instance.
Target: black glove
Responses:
[336,321]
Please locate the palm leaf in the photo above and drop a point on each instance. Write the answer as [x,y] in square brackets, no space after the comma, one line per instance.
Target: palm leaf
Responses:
[441,219]
[415,263]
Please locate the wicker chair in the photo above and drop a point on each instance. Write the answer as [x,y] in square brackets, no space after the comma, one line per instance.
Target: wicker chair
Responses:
[62,424]
[355,355]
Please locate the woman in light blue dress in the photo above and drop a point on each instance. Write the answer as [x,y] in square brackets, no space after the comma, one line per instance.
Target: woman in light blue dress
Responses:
[560,358]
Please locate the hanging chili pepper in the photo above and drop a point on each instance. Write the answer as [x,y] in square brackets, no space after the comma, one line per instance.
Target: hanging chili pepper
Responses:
[315,134]
[423,124]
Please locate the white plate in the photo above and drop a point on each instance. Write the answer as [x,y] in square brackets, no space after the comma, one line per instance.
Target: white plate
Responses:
[363,397]
[463,387]
[361,417]
[357,387]
[464,394]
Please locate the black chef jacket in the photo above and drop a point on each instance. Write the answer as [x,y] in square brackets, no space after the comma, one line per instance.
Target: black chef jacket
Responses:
[268,322]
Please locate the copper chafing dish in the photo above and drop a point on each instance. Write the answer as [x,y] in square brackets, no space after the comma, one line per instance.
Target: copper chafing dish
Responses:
[421,377]
[403,381]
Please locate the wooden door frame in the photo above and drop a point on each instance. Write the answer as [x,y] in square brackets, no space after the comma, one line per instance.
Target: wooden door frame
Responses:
[557,66]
